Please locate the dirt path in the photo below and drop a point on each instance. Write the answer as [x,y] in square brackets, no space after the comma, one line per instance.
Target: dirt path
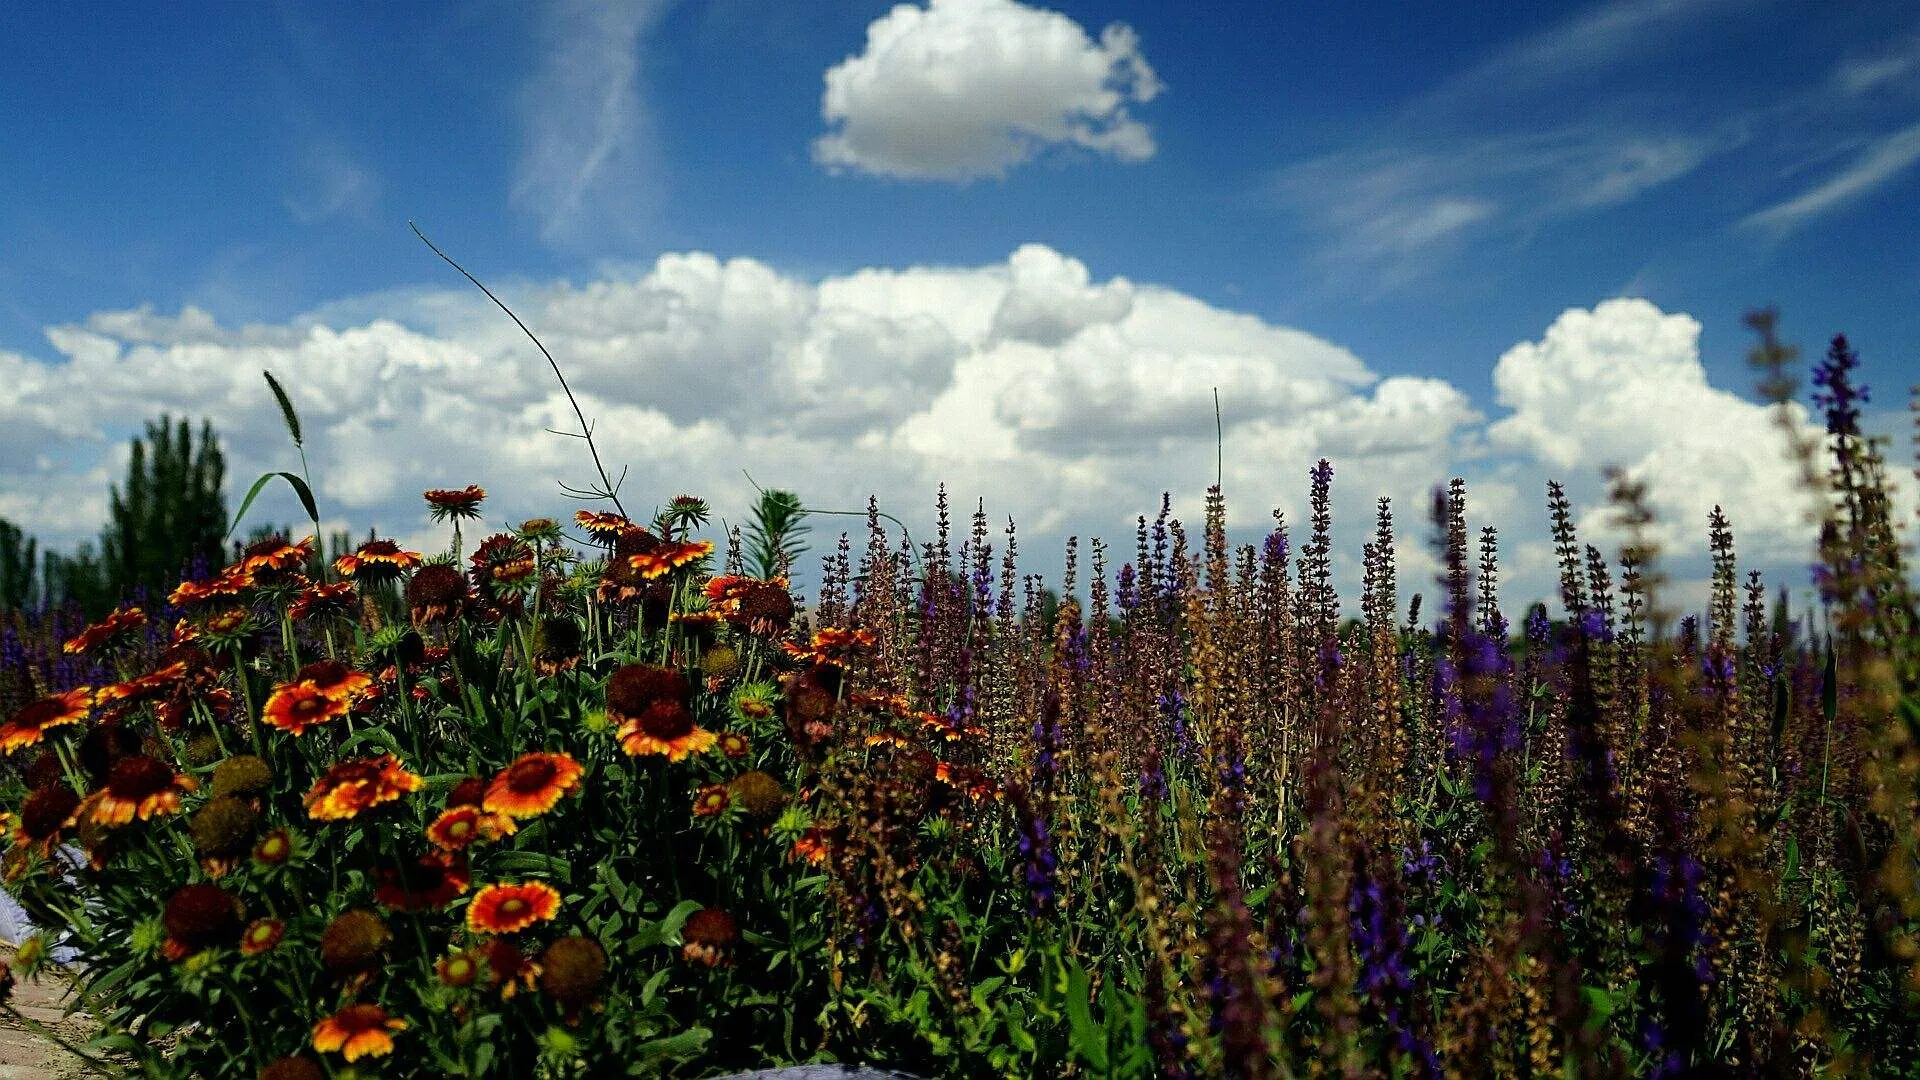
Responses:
[26,1056]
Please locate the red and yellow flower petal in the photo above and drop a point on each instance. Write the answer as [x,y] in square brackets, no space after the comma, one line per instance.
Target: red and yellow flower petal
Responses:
[509,908]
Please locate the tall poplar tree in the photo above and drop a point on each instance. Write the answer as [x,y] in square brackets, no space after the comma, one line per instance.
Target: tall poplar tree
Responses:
[171,512]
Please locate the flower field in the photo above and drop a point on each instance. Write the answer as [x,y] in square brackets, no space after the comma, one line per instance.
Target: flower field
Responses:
[590,800]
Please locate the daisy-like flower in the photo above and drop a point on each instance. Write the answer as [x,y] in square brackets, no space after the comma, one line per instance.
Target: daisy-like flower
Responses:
[665,727]
[376,560]
[603,528]
[199,917]
[734,745]
[508,908]
[832,645]
[296,706]
[357,1031]
[228,584]
[31,723]
[709,936]
[435,594]
[137,787]
[336,601]
[227,625]
[455,502]
[464,825]
[951,728]
[274,848]
[508,969]
[712,799]
[664,560]
[44,817]
[428,883]
[539,530]
[276,555]
[812,846]
[261,935]
[112,630]
[334,679]
[360,784]
[532,785]
[458,970]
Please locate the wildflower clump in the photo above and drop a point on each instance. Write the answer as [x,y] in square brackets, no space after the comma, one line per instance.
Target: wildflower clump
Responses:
[590,800]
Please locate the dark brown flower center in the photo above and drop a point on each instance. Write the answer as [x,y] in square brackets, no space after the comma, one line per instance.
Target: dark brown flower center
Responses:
[667,721]
[46,810]
[527,777]
[136,778]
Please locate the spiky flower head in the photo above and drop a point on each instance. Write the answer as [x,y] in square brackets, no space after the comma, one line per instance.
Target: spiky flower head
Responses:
[455,503]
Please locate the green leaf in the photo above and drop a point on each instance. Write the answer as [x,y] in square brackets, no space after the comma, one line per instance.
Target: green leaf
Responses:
[1089,1038]
[299,488]
[680,1045]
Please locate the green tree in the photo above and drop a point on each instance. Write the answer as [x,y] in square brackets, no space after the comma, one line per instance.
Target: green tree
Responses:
[19,566]
[170,513]
[79,580]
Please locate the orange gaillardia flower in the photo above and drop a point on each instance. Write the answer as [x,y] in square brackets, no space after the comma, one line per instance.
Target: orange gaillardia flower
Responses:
[711,799]
[812,846]
[376,560]
[708,937]
[664,560]
[30,724]
[509,908]
[435,594]
[335,601]
[228,583]
[274,848]
[357,1031]
[44,816]
[458,970]
[532,785]
[464,825]
[360,784]
[604,528]
[137,787]
[277,556]
[199,917]
[111,629]
[455,502]
[261,935]
[508,969]
[666,727]
[296,706]
[735,745]
[428,883]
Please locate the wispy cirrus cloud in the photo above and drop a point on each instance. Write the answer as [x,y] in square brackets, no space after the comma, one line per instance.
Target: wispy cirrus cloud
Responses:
[1883,160]
[583,163]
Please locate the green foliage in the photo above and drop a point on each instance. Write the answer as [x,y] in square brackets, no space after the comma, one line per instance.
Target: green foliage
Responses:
[19,567]
[773,535]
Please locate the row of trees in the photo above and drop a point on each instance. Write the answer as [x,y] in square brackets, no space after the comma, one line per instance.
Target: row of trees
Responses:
[168,517]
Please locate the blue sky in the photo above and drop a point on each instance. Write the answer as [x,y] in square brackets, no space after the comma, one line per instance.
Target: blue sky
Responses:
[1421,189]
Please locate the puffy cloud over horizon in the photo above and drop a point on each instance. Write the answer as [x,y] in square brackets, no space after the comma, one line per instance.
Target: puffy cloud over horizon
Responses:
[1067,403]
[963,89]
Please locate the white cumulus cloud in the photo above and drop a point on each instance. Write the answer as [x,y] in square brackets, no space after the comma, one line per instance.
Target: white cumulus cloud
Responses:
[1065,402]
[961,89]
